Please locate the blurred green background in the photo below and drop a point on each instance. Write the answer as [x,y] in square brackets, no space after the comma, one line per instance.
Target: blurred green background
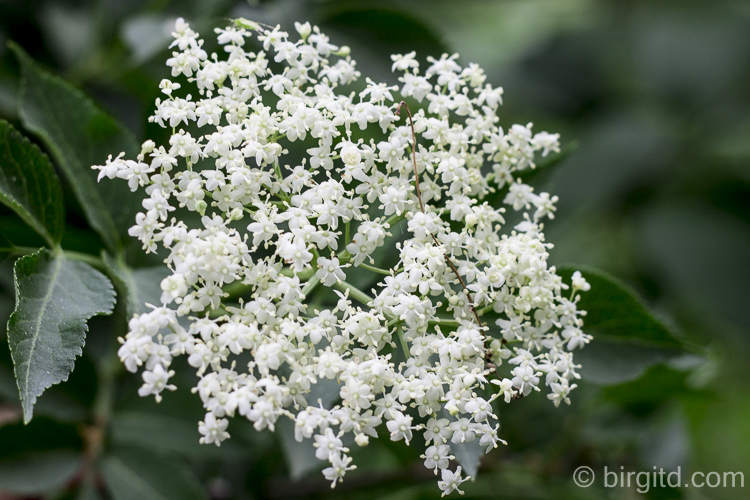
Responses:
[657,97]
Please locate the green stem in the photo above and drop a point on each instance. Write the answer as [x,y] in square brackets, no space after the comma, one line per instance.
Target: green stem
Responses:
[85,257]
[444,322]
[221,311]
[277,171]
[107,369]
[237,289]
[395,219]
[92,260]
[310,285]
[402,341]
[486,309]
[103,405]
[302,275]
[356,294]
[344,257]
[24,250]
[375,269]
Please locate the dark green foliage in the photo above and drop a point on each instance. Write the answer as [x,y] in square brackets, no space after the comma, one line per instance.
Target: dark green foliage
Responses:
[132,474]
[655,94]
[29,185]
[79,135]
[142,285]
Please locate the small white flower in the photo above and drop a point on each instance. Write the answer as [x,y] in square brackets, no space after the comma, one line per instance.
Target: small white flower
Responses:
[450,481]
[213,430]
[437,457]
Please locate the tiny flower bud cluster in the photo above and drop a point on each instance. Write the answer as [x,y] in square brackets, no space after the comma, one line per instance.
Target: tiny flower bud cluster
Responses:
[415,356]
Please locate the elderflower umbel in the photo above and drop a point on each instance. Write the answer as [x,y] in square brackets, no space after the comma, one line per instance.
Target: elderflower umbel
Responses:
[279,231]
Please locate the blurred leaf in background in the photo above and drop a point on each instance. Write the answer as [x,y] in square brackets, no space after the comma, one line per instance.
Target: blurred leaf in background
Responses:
[657,194]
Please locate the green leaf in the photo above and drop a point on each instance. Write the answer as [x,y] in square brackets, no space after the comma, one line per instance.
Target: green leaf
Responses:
[300,457]
[658,385]
[143,285]
[38,472]
[614,309]
[79,134]
[139,475]
[628,338]
[88,491]
[468,456]
[29,185]
[537,175]
[604,362]
[163,433]
[40,435]
[54,299]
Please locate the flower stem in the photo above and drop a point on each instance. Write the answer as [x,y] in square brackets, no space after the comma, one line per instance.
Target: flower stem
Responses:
[354,292]
[310,285]
[375,269]
[395,219]
[402,341]
[421,207]
[92,260]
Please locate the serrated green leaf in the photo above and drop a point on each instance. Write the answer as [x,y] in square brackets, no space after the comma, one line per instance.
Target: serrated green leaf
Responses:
[79,135]
[38,472]
[139,475]
[614,309]
[142,285]
[46,332]
[628,337]
[29,185]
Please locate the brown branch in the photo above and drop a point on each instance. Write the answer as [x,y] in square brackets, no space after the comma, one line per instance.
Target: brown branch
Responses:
[413,151]
[421,206]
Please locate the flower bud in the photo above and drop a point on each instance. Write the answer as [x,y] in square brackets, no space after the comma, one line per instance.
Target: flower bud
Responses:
[247,24]
[236,214]
[303,29]
[362,439]
[148,147]
[343,51]
[200,207]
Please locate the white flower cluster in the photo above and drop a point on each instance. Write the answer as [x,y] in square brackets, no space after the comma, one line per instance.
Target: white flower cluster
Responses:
[415,354]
